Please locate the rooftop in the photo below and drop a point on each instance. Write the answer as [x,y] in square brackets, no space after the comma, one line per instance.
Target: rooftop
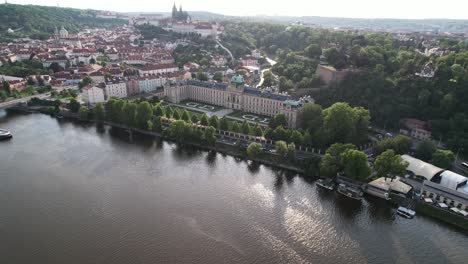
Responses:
[237,79]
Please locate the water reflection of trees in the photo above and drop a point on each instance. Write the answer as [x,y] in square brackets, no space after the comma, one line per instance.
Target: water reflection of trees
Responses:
[253,167]
[211,157]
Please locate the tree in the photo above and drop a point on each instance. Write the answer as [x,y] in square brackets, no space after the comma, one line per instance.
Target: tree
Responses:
[280,120]
[291,151]
[194,119]
[3,95]
[202,76]
[177,130]
[176,114]
[119,111]
[388,164]
[98,112]
[157,124]
[400,144]
[186,116]
[213,121]
[86,81]
[236,128]
[218,76]
[158,111]
[74,106]
[144,113]
[307,139]
[254,150]
[296,137]
[245,128]
[311,117]
[54,66]
[339,122]
[111,113]
[83,113]
[168,112]
[258,131]
[355,164]
[6,87]
[425,149]
[313,51]
[224,124]
[332,162]
[92,61]
[443,158]
[31,81]
[280,134]
[129,114]
[281,148]
[268,79]
[210,136]
[204,120]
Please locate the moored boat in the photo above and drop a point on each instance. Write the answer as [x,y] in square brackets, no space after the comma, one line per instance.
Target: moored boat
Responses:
[350,192]
[4,134]
[326,184]
[405,212]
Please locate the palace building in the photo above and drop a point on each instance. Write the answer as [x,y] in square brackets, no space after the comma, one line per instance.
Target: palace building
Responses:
[236,96]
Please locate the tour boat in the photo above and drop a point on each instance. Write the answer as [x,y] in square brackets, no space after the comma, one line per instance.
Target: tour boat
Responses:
[326,184]
[405,212]
[4,134]
[350,192]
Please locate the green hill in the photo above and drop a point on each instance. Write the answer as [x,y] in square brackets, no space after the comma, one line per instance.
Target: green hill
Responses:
[39,21]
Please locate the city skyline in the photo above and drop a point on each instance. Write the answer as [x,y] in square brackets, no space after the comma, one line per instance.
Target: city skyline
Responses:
[398,9]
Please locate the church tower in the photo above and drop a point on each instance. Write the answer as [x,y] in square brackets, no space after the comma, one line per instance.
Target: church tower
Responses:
[174,11]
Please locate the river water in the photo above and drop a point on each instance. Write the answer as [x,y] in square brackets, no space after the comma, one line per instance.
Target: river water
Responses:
[72,193]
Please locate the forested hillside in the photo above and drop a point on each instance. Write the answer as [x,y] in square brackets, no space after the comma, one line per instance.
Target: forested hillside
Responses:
[39,21]
[386,82]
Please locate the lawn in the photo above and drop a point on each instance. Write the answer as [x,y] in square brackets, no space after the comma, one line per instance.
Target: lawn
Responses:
[263,120]
[201,106]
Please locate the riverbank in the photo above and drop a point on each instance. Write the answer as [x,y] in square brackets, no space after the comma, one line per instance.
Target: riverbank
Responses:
[444,216]
[221,147]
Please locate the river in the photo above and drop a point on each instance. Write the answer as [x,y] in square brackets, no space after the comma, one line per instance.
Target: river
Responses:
[73,193]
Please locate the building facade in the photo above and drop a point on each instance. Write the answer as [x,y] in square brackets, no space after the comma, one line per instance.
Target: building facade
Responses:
[116,87]
[92,95]
[236,96]
[158,69]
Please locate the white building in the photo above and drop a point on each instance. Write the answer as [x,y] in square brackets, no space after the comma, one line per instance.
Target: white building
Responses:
[249,61]
[219,60]
[236,96]
[150,83]
[256,54]
[93,95]
[116,87]
[158,69]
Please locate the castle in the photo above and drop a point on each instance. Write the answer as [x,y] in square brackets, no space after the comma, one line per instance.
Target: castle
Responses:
[179,15]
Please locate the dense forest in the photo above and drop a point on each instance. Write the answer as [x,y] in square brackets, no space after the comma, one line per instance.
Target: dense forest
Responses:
[40,21]
[386,81]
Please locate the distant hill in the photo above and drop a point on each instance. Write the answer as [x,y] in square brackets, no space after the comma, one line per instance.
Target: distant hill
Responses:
[379,24]
[40,21]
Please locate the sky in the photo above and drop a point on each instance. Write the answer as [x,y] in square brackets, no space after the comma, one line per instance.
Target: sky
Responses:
[407,9]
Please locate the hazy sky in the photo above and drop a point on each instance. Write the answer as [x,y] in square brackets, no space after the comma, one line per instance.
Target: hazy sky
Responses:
[457,9]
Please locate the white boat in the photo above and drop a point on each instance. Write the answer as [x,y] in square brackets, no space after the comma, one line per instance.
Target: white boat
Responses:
[326,184]
[4,134]
[405,212]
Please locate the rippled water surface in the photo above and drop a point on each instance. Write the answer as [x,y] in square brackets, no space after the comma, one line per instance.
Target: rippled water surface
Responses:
[73,193]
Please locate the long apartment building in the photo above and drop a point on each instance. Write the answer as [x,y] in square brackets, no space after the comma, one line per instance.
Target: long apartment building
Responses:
[236,96]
